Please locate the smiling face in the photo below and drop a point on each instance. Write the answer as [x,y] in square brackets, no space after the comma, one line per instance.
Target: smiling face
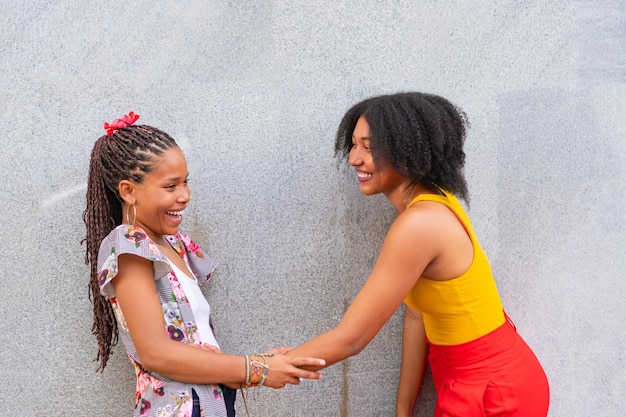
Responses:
[373,179]
[162,196]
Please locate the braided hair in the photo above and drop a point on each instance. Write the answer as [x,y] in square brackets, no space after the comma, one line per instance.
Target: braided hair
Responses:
[128,154]
[419,135]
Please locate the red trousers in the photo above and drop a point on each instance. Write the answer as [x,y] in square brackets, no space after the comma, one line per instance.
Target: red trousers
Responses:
[494,375]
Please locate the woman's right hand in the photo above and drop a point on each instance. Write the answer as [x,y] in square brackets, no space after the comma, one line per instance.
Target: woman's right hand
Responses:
[285,370]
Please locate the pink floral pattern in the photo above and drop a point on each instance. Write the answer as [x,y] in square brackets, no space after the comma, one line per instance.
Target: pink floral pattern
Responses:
[145,381]
[155,395]
[177,290]
[191,246]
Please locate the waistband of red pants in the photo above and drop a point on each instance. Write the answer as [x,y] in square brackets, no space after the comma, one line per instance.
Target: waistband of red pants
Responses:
[499,340]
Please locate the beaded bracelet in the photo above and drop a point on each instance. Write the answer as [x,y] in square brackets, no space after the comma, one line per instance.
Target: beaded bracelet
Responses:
[254,376]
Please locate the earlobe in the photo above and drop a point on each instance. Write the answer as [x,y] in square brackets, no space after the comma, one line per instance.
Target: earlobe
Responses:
[127,191]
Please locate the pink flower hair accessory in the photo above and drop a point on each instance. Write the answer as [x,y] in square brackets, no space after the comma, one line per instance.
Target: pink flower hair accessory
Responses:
[124,121]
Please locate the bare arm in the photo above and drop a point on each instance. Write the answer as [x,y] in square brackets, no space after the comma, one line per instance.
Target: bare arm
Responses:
[136,293]
[406,252]
[414,357]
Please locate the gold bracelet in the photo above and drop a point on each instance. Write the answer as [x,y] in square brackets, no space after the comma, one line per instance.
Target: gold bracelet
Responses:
[247,380]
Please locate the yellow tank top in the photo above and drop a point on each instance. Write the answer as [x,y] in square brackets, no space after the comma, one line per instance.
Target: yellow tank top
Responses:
[466,307]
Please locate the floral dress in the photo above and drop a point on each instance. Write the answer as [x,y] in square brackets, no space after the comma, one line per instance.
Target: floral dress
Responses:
[156,395]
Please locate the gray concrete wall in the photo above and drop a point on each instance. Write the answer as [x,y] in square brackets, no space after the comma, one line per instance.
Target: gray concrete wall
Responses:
[253,91]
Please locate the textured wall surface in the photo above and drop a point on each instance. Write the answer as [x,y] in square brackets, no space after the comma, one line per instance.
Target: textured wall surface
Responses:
[254,91]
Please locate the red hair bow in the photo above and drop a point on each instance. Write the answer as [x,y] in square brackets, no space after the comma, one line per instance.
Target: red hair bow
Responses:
[124,121]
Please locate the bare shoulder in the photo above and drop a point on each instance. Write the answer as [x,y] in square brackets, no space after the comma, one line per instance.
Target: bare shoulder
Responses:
[415,235]
[425,218]
[428,227]
[435,229]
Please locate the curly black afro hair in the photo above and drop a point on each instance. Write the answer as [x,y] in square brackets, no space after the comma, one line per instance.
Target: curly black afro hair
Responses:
[419,135]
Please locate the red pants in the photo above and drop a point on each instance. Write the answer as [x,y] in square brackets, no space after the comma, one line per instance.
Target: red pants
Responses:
[494,375]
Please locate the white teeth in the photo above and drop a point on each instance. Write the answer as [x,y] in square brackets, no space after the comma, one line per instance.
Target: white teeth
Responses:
[175,213]
[363,174]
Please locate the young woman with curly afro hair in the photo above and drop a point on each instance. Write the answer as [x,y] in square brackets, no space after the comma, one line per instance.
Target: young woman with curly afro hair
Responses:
[409,147]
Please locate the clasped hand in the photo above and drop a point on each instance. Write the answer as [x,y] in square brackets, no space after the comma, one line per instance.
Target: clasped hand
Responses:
[283,369]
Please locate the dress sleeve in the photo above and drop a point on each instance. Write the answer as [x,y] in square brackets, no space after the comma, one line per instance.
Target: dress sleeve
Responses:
[127,239]
[201,265]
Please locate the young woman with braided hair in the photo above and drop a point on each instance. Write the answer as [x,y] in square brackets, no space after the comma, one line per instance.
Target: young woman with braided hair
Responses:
[144,282]
[409,146]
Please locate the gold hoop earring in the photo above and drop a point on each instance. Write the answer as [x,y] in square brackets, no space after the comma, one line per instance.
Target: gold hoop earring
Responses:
[134,215]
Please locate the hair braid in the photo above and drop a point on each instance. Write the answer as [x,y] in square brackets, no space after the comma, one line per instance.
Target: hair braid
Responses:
[128,154]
